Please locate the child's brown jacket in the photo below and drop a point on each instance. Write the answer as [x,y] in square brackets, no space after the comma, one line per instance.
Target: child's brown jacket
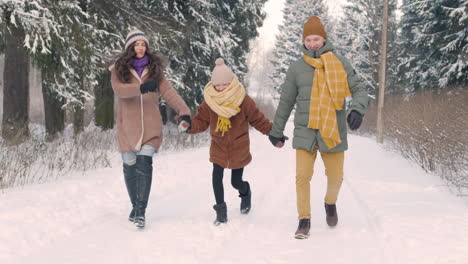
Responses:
[233,149]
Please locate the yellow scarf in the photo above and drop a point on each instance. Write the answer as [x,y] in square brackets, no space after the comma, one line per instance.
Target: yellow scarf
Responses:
[329,90]
[225,103]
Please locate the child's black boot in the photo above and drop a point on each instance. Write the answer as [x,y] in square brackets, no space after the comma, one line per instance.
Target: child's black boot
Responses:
[221,213]
[246,200]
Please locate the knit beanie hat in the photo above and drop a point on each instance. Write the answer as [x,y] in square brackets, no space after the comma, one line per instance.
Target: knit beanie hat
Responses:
[314,26]
[221,73]
[135,35]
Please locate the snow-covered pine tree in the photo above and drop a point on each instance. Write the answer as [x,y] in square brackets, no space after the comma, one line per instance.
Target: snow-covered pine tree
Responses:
[70,69]
[245,16]
[207,30]
[289,38]
[204,36]
[359,39]
[24,30]
[412,62]
[455,43]
[434,44]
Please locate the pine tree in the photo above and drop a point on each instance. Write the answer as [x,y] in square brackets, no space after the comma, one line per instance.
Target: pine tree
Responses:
[434,44]
[208,30]
[245,16]
[22,22]
[359,39]
[289,38]
[412,58]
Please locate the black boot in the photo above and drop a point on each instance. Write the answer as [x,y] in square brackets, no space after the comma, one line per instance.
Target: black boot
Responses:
[332,215]
[221,213]
[144,173]
[130,182]
[302,231]
[246,200]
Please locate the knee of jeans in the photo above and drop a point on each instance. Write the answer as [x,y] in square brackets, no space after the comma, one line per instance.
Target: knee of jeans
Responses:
[129,158]
[147,150]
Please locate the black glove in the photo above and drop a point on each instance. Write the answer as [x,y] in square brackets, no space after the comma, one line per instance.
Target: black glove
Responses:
[149,86]
[187,119]
[275,140]
[354,120]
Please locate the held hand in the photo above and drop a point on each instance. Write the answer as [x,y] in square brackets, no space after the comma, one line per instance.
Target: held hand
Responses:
[277,142]
[149,86]
[184,123]
[354,120]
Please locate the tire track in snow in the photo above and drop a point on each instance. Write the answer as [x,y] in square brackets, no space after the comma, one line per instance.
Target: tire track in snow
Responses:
[374,224]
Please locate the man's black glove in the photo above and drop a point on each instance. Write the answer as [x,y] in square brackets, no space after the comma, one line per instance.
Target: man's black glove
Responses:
[275,140]
[149,86]
[354,120]
[184,123]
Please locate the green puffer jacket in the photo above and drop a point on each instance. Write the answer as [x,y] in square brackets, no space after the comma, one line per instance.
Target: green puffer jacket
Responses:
[296,90]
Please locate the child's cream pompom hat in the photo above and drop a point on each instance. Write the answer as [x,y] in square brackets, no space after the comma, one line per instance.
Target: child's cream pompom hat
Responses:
[221,74]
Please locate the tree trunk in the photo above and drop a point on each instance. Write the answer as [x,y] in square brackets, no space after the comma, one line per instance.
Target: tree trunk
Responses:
[54,115]
[104,102]
[78,110]
[78,119]
[382,75]
[16,88]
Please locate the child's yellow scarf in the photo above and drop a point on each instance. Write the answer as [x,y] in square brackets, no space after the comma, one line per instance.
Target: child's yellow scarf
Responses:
[225,103]
[329,90]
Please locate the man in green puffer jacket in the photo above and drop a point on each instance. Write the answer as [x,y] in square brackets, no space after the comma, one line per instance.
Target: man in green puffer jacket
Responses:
[317,84]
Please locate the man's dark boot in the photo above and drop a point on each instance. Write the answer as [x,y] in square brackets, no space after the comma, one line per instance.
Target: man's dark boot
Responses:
[130,182]
[302,231]
[221,213]
[246,200]
[144,175]
[332,215]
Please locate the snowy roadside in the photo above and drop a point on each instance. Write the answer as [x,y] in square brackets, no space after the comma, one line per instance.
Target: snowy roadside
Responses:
[390,212]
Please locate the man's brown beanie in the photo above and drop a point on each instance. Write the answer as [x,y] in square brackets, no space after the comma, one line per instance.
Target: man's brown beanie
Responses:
[314,26]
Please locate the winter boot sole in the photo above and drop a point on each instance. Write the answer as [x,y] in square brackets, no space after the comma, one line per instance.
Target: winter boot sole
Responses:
[139,222]
[217,223]
[301,236]
[245,210]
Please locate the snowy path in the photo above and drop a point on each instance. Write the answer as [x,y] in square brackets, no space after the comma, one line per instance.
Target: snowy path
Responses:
[390,212]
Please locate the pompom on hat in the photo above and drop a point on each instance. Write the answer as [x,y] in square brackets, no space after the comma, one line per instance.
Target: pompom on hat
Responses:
[221,73]
[313,26]
[135,35]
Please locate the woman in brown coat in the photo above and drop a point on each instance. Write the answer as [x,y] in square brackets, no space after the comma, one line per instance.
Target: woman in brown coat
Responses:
[138,81]
[228,111]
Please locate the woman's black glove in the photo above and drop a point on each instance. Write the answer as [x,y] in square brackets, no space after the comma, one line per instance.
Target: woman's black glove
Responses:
[184,123]
[149,86]
[354,120]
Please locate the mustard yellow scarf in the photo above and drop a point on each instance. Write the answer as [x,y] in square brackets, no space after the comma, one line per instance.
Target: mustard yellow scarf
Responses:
[225,103]
[329,90]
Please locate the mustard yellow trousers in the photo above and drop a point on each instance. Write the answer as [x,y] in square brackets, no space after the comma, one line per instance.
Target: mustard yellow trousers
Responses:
[305,161]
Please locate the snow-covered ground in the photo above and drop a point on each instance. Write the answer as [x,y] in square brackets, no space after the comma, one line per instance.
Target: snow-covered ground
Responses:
[390,211]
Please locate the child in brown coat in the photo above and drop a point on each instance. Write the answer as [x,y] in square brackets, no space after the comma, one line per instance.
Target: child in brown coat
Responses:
[228,111]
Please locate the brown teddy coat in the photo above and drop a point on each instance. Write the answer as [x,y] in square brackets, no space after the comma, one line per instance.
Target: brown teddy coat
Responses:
[139,121]
[232,150]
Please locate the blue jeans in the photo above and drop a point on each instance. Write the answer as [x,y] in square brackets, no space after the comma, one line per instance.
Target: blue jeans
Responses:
[129,157]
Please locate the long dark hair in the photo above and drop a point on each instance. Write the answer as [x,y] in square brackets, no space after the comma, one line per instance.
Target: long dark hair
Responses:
[157,64]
